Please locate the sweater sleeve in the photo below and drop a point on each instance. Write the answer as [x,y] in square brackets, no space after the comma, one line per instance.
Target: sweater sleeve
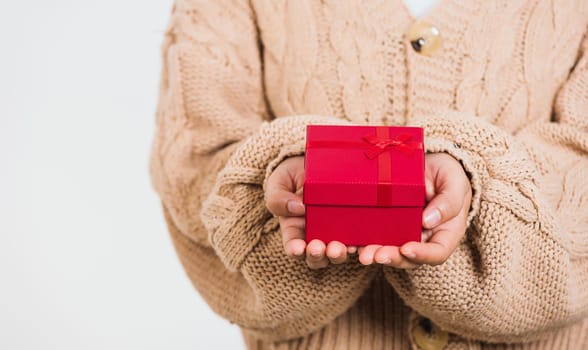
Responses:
[215,147]
[522,268]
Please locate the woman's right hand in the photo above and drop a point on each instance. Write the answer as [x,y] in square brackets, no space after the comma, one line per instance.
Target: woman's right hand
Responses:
[283,198]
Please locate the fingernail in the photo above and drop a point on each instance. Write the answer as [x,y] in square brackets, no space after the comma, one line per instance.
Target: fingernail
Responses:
[294,206]
[433,218]
[408,253]
[315,254]
[298,252]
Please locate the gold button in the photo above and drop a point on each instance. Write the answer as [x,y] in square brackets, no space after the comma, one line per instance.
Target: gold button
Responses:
[428,336]
[424,38]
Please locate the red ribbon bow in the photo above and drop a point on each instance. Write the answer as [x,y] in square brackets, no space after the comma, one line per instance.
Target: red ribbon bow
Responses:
[401,142]
[379,144]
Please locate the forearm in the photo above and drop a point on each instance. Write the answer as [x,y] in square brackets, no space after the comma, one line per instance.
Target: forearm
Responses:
[515,275]
[214,149]
[241,245]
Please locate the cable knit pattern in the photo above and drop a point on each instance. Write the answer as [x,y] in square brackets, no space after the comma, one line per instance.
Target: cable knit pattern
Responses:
[507,96]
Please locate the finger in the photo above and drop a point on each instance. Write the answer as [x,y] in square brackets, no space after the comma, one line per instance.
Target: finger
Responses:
[351,249]
[425,235]
[284,203]
[366,254]
[429,189]
[446,185]
[336,252]
[390,256]
[315,254]
[446,204]
[443,240]
[280,195]
[440,246]
[293,235]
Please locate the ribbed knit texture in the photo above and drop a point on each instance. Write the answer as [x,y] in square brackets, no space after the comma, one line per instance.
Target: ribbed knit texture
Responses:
[507,96]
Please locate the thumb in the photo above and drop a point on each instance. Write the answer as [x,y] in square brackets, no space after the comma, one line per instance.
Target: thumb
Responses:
[283,194]
[446,190]
[443,207]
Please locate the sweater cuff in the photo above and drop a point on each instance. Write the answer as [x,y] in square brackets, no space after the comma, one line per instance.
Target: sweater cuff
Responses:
[483,150]
[235,214]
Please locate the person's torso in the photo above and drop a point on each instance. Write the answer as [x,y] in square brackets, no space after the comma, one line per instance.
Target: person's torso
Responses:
[500,60]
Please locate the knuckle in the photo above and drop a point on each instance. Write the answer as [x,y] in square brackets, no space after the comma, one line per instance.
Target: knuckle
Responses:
[269,199]
[286,245]
[286,225]
[285,234]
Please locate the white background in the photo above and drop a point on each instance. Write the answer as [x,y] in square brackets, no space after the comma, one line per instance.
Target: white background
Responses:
[85,259]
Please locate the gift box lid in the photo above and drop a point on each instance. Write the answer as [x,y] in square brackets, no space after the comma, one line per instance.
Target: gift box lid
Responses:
[364,166]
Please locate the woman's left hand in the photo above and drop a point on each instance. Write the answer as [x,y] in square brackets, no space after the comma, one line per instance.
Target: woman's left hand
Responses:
[449,194]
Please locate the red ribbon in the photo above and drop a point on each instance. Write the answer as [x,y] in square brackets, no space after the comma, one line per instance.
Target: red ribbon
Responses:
[379,145]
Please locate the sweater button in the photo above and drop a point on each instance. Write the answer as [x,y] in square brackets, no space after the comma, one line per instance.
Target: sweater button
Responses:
[424,38]
[428,336]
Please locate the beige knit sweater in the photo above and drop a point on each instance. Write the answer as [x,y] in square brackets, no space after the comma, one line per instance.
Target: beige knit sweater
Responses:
[507,96]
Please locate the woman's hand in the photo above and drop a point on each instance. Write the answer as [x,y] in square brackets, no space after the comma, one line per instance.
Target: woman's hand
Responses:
[283,198]
[449,194]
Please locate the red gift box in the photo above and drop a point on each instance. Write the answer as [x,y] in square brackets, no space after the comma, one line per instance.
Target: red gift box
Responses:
[364,184]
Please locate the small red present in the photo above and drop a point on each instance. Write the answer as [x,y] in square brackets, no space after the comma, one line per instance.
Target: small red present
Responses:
[364,184]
